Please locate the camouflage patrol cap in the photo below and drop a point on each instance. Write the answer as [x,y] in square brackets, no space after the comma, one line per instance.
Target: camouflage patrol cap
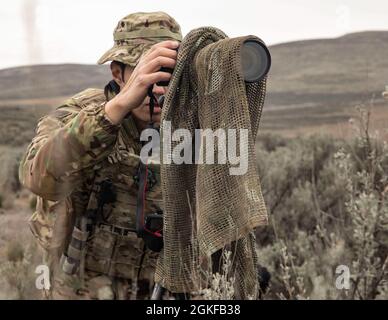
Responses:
[137,32]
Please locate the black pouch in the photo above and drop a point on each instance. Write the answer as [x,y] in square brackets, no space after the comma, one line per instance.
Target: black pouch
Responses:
[153,235]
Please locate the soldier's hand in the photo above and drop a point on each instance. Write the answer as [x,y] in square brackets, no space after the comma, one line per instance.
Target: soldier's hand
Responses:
[146,73]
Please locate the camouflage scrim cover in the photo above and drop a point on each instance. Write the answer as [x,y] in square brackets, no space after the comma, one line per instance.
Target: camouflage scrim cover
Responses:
[137,32]
[213,209]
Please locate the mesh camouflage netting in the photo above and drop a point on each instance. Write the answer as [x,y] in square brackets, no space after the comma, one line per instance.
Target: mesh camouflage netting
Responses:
[206,208]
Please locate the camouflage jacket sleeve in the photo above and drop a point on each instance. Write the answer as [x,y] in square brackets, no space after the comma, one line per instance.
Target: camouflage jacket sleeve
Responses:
[68,142]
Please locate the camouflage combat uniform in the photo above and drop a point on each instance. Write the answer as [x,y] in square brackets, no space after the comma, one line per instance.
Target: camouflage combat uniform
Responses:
[75,151]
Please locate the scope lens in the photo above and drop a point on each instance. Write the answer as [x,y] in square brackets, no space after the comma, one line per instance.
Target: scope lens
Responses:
[255,59]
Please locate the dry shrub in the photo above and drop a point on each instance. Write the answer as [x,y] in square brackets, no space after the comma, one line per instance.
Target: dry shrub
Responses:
[220,284]
[17,273]
[15,251]
[328,207]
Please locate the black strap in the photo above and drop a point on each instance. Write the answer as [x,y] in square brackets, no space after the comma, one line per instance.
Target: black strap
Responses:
[152,104]
[112,86]
[140,218]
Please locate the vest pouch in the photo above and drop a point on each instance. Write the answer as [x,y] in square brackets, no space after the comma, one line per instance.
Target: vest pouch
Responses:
[99,251]
[154,224]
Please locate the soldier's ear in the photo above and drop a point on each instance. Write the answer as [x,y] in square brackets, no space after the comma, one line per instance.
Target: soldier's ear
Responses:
[117,73]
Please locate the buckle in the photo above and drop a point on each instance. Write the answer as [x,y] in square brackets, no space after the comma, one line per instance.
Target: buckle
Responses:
[116,230]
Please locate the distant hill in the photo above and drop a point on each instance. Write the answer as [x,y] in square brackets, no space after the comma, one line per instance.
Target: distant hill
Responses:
[304,73]
[47,81]
[312,82]
[338,71]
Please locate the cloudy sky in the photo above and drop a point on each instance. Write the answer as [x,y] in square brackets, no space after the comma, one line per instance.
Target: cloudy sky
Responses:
[59,31]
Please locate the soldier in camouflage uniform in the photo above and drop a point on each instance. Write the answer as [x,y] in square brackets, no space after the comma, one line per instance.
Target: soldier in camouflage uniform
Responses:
[92,141]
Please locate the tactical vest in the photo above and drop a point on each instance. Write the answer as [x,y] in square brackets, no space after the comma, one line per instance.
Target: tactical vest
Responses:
[111,243]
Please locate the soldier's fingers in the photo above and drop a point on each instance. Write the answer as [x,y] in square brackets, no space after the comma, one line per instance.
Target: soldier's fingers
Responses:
[170,44]
[152,78]
[157,63]
[160,51]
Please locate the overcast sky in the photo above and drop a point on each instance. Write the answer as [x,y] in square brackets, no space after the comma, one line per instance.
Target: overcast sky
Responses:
[59,31]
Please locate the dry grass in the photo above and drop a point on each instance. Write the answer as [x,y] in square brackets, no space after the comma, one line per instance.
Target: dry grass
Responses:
[329,207]
[322,215]
[19,254]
